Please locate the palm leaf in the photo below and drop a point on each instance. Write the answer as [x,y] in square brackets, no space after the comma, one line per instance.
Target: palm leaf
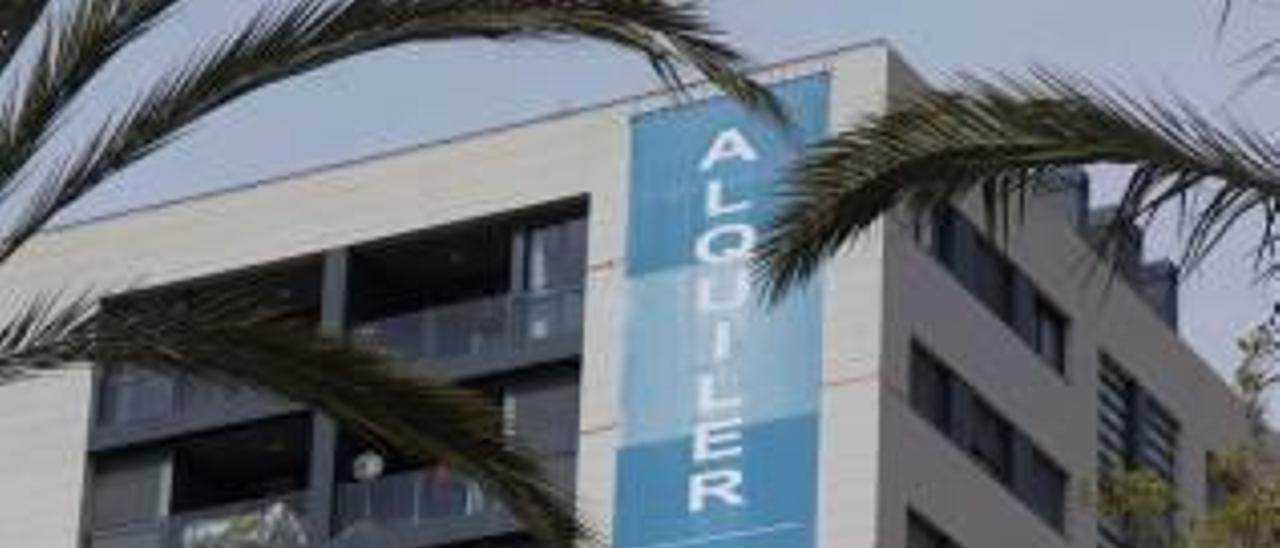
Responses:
[283,42]
[221,339]
[68,52]
[17,17]
[1002,136]
[230,336]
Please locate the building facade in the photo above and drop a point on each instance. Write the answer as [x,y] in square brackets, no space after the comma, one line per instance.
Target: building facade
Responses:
[936,386]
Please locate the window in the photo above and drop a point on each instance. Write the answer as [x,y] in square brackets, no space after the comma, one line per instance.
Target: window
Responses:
[556,256]
[542,413]
[943,399]
[993,279]
[1135,432]
[1048,482]
[946,234]
[1216,486]
[540,409]
[1051,334]
[132,395]
[481,292]
[126,491]
[923,534]
[931,389]
[1158,439]
[992,441]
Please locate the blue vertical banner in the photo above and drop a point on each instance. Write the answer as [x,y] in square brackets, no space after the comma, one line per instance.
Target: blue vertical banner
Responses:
[720,394]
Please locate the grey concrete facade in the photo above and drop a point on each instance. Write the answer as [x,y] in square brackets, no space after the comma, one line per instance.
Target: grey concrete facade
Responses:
[878,457]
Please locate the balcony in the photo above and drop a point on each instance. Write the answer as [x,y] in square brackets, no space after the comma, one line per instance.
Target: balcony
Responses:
[426,507]
[135,404]
[484,335]
[409,498]
[278,522]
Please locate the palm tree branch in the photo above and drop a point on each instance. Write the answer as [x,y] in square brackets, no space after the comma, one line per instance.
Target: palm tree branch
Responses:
[284,42]
[17,18]
[1002,136]
[230,336]
[72,47]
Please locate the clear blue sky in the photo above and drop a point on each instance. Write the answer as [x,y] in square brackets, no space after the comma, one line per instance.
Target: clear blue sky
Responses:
[418,94]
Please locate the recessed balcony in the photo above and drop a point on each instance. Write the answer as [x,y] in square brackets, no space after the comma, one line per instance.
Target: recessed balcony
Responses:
[484,335]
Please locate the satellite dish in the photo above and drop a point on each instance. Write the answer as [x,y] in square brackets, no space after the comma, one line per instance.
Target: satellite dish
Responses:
[368,466]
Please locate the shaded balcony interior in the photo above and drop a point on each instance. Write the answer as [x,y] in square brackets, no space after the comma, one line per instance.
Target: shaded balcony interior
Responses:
[129,396]
[494,304]
[265,460]
[540,409]
[219,488]
[473,299]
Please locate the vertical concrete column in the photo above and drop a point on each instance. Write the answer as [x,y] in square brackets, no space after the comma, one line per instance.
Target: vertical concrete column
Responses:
[324,432]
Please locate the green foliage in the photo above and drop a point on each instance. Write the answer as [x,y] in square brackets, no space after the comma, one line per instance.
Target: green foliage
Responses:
[1257,373]
[1137,492]
[1244,505]
[1142,503]
[1250,518]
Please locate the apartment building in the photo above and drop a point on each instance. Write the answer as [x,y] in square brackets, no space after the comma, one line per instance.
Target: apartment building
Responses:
[936,386]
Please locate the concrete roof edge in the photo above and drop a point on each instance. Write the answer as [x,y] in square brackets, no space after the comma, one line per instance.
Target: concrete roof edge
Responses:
[634,98]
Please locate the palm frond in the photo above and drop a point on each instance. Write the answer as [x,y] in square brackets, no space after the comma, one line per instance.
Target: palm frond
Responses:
[1002,136]
[71,47]
[231,336]
[45,333]
[228,340]
[283,42]
[17,17]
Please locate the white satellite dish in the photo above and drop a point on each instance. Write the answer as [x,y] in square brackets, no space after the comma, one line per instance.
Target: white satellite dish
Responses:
[368,466]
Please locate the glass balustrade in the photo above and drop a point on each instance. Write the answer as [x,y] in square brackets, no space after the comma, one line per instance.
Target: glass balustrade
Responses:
[135,396]
[425,496]
[487,327]
[407,498]
[277,522]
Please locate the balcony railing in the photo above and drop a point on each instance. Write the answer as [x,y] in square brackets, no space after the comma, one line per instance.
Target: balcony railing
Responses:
[490,327]
[426,497]
[278,522]
[408,498]
[137,396]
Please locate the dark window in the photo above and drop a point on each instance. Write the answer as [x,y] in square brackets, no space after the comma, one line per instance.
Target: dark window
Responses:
[1134,429]
[1158,439]
[990,277]
[556,255]
[994,278]
[993,442]
[542,413]
[1215,484]
[1135,432]
[1046,492]
[245,465]
[1051,334]
[931,389]
[132,395]
[923,534]
[128,394]
[126,491]
[480,292]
